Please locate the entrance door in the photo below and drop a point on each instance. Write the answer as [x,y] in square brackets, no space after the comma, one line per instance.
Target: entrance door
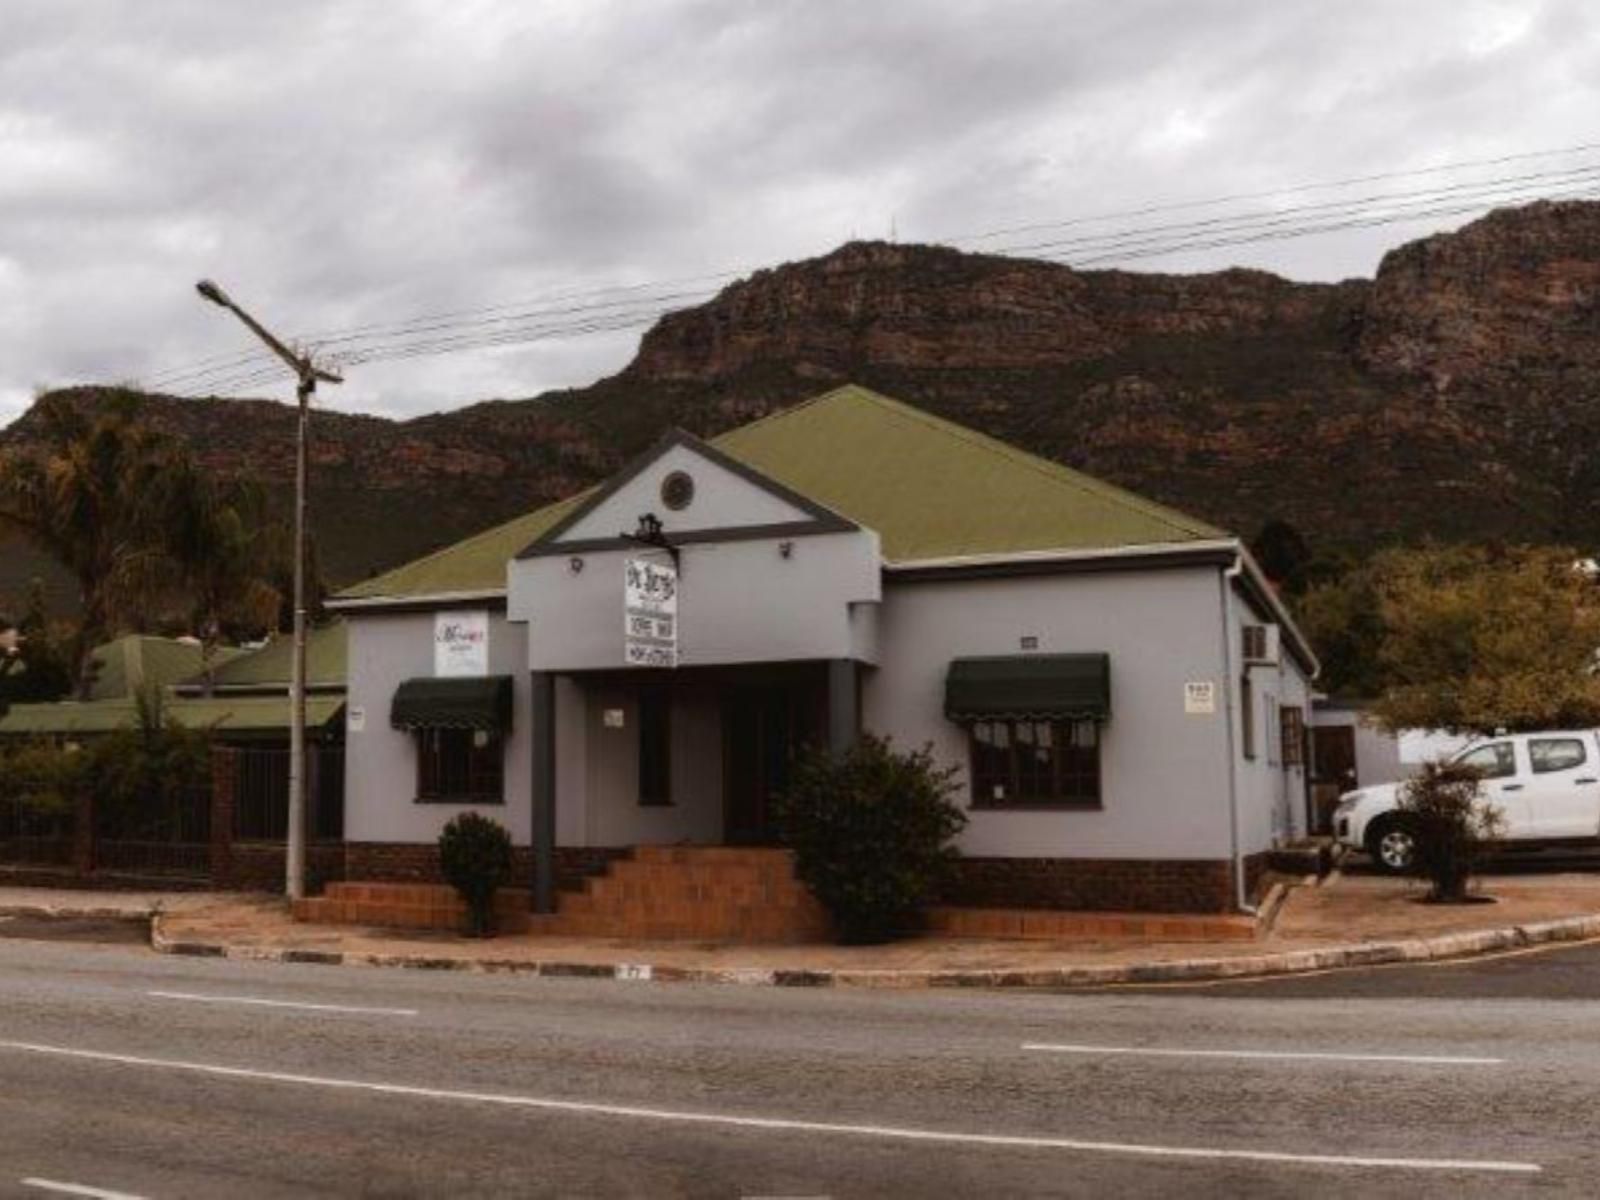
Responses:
[1333,771]
[763,729]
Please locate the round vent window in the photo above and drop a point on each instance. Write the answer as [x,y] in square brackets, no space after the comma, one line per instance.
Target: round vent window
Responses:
[677,490]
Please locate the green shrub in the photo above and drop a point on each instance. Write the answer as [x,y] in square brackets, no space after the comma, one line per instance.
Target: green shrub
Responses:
[1442,808]
[872,834]
[42,779]
[475,856]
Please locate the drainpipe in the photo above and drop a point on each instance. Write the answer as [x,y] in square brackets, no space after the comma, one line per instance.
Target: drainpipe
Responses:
[1225,580]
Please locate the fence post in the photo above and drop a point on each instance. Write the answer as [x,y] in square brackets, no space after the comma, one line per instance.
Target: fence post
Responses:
[224,777]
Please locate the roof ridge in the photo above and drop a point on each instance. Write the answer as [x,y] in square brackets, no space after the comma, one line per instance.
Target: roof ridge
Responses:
[790,409]
[1049,468]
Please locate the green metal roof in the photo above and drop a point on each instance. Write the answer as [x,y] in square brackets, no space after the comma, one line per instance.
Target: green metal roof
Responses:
[477,564]
[269,667]
[237,714]
[931,489]
[130,664]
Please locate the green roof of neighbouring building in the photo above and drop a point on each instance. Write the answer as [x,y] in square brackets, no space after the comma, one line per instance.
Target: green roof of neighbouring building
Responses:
[268,668]
[235,714]
[137,662]
[931,489]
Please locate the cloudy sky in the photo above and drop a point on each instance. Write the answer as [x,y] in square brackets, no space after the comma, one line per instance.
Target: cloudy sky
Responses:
[343,164]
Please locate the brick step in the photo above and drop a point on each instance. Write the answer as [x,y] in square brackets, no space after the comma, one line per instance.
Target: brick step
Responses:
[751,856]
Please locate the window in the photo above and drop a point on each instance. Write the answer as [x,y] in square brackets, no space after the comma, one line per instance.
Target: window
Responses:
[460,766]
[1554,754]
[1293,718]
[1496,760]
[1020,764]
[1247,716]
[1274,731]
[655,747]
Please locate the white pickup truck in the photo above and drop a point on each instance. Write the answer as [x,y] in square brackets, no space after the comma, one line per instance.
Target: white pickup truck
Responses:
[1546,787]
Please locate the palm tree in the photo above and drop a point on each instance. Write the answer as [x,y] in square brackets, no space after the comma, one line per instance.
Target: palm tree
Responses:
[95,499]
[227,547]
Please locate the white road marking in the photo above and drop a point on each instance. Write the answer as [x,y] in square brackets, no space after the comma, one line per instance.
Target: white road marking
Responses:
[262,1003]
[729,1120]
[77,1189]
[1437,1060]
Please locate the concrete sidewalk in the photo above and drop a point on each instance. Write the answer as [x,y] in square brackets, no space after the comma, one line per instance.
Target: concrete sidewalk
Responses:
[90,904]
[1344,922]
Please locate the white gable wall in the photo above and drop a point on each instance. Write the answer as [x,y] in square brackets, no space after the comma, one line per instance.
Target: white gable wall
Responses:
[723,499]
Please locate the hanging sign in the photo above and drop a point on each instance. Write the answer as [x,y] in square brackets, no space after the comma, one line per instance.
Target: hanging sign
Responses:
[460,643]
[650,614]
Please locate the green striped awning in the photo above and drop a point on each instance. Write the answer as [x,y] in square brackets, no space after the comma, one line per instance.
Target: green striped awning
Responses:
[482,702]
[1036,686]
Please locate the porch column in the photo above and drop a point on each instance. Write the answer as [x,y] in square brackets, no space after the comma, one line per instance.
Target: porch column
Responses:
[544,791]
[844,705]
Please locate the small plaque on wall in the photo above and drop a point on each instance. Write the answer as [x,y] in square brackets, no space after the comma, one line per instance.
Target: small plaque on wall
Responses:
[1200,698]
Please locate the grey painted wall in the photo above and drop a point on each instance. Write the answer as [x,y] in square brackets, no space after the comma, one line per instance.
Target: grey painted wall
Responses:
[381,763]
[1164,772]
[615,816]
[1272,805]
[738,602]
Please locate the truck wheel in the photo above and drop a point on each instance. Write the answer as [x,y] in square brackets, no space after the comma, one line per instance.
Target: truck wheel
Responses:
[1392,846]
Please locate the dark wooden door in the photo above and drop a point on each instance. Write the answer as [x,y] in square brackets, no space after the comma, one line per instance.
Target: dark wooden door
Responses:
[763,730]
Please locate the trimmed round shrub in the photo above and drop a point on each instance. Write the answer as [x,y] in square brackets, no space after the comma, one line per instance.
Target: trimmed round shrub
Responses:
[475,857]
[872,833]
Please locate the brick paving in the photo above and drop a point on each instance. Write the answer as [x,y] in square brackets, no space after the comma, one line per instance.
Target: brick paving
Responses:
[1344,911]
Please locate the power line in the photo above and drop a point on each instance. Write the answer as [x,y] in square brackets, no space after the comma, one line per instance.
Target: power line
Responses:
[622,306]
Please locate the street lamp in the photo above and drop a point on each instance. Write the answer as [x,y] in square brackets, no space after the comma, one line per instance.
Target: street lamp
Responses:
[307,374]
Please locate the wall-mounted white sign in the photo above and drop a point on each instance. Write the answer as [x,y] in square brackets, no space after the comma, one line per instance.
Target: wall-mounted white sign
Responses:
[1200,698]
[460,643]
[355,719]
[650,614]
[613,718]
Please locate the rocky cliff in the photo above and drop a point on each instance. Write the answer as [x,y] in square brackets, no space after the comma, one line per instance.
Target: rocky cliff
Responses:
[1452,396]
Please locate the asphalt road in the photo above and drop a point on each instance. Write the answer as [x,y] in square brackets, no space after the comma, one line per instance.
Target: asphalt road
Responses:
[159,1077]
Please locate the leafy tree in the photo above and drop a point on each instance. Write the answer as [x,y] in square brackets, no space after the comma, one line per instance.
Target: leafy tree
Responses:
[96,500]
[227,548]
[1343,618]
[1284,555]
[142,529]
[35,662]
[1476,639]
[872,834]
[1452,830]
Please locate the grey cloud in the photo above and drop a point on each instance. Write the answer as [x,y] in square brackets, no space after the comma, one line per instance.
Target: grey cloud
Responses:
[351,161]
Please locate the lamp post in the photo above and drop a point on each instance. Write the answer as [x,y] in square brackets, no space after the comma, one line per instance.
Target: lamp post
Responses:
[307,374]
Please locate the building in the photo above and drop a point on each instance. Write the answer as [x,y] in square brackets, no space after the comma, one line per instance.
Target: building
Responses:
[636,665]
[1350,750]
[242,697]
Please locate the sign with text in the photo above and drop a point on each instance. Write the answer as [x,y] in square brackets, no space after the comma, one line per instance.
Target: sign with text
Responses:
[650,614]
[1200,698]
[460,643]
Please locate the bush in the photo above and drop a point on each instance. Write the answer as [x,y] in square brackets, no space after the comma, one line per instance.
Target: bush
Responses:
[871,834]
[475,856]
[1454,830]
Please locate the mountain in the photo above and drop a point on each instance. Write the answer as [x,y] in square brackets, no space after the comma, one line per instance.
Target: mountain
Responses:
[1453,395]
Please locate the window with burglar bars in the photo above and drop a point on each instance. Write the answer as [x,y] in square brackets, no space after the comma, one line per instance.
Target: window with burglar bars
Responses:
[460,766]
[1293,719]
[1043,764]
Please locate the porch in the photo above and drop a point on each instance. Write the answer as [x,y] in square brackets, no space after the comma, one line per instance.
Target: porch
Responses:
[672,761]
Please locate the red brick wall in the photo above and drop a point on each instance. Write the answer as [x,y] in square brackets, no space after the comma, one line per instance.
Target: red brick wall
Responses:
[1093,884]
[401,862]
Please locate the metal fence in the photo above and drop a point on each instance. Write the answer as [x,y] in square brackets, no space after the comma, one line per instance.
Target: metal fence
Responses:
[161,835]
[261,793]
[29,837]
